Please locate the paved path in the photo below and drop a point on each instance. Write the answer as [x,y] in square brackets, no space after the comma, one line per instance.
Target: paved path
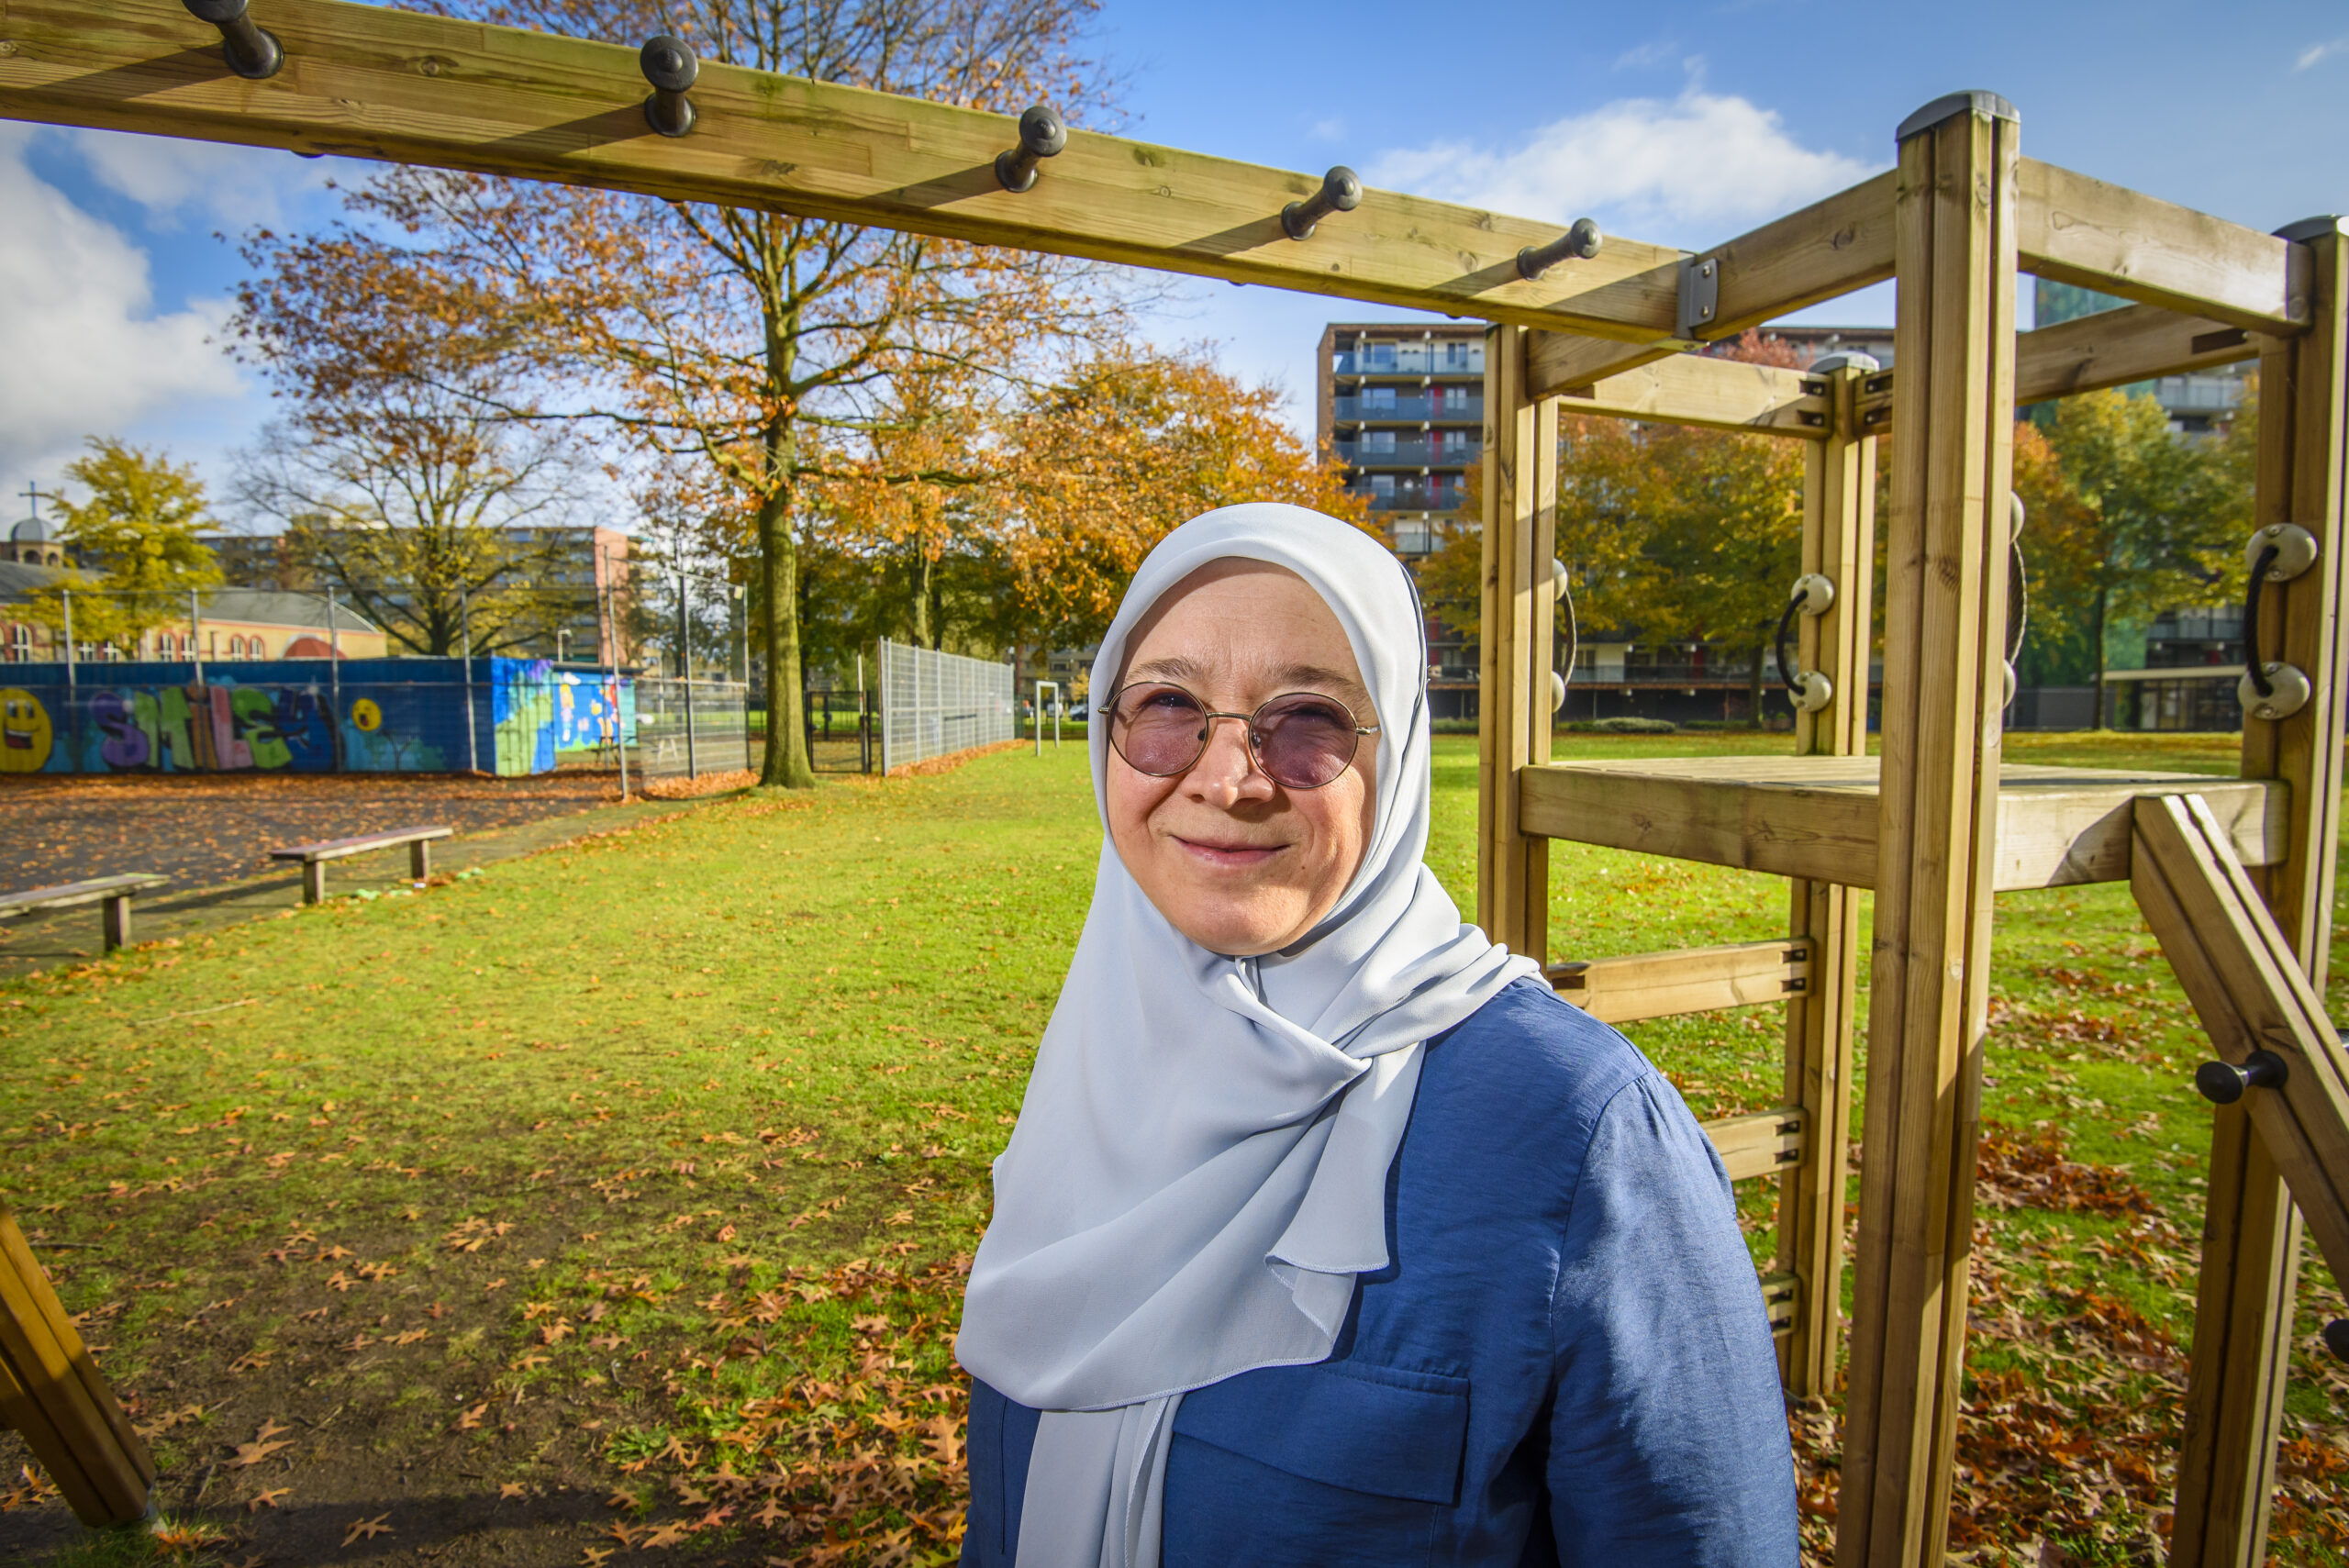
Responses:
[211,835]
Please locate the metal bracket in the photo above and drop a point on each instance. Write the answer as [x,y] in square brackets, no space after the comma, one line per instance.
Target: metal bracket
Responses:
[1700,294]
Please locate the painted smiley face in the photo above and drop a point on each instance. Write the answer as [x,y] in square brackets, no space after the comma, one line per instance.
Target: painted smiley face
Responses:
[25,733]
[366,715]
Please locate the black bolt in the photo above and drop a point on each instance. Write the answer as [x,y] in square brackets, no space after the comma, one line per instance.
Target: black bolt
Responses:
[2336,1338]
[1340,191]
[669,65]
[2222,1083]
[1580,243]
[251,53]
[1042,135]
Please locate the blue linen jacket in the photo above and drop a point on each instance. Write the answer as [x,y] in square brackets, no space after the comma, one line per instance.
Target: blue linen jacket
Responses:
[1566,1360]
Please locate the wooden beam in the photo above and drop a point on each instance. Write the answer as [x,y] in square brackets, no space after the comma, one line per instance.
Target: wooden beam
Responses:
[1690,980]
[1946,566]
[1827,248]
[2245,982]
[1520,501]
[2076,230]
[1761,1144]
[1817,817]
[1721,395]
[52,1394]
[2244,1294]
[1838,543]
[367,82]
[2113,347]
[1562,362]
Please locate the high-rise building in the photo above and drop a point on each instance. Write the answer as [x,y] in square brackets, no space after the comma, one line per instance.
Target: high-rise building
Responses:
[1403,408]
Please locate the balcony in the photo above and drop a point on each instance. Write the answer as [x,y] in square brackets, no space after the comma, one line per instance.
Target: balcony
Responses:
[1414,496]
[1409,454]
[1411,410]
[1408,359]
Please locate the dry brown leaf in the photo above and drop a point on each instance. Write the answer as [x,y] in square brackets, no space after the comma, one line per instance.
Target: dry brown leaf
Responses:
[368,1528]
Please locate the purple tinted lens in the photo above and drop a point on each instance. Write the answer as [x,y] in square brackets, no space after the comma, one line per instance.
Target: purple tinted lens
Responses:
[1158,729]
[1304,742]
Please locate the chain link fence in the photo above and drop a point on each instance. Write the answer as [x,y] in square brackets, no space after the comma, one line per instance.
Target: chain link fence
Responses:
[686,728]
[933,703]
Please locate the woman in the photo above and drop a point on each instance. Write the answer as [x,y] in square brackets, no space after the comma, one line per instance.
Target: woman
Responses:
[1328,1234]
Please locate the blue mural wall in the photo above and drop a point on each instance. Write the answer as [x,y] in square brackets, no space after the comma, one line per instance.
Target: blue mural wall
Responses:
[413,716]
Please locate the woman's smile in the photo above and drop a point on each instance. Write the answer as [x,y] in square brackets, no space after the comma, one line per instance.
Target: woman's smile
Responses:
[1234,853]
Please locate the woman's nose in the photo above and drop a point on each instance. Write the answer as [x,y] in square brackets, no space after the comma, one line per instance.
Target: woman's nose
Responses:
[1226,772]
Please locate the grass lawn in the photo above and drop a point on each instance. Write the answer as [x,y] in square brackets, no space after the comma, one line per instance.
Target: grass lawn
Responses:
[617,1199]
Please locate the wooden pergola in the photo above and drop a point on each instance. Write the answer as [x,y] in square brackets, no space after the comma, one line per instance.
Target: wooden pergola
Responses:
[2235,876]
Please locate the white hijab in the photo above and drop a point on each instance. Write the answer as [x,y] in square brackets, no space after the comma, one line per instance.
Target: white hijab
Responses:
[1199,1170]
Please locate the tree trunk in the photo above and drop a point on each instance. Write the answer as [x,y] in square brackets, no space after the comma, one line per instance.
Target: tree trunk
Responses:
[2103,598]
[1753,689]
[924,628]
[785,762]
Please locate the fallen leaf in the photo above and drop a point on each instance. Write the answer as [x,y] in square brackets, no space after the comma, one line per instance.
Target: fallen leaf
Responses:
[260,1448]
[266,1499]
[508,1490]
[368,1528]
[411,1337]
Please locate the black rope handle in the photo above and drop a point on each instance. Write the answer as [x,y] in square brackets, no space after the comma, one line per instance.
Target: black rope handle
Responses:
[1786,665]
[2018,600]
[2259,681]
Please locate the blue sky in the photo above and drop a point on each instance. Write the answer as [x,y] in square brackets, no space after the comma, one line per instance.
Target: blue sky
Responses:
[1679,124]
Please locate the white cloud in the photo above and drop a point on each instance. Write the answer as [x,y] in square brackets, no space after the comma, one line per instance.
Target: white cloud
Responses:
[214,183]
[84,348]
[1646,55]
[2316,52]
[1332,130]
[1671,170]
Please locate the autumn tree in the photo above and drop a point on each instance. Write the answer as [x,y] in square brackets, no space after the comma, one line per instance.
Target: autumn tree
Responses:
[406,470]
[744,356]
[136,530]
[1106,463]
[2141,521]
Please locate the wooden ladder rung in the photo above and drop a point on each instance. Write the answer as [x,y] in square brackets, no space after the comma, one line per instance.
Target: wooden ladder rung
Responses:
[1690,980]
[1782,1298]
[1762,1143]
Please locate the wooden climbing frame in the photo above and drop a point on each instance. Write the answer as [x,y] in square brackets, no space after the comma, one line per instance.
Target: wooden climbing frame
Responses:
[1935,829]
[50,1392]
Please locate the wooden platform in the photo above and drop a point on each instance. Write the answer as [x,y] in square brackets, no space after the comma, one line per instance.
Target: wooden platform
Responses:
[1816,817]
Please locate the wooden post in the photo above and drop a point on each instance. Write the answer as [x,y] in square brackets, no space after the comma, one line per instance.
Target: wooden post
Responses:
[1943,689]
[314,882]
[1513,713]
[1838,542]
[116,921]
[2251,1233]
[52,1393]
[419,862]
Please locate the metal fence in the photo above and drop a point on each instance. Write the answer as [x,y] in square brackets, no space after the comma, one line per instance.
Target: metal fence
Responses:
[685,729]
[935,702]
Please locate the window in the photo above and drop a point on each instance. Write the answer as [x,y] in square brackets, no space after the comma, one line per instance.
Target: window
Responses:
[1378,357]
[1378,398]
[1381,441]
[1381,487]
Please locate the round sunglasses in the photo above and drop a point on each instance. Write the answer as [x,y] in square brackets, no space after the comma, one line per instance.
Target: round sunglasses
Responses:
[1300,740]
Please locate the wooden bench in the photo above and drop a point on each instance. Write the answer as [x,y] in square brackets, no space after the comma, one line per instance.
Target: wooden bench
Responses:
[114,892]
[313,857]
